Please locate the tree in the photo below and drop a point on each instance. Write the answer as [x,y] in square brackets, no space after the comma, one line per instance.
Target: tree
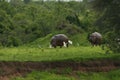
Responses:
[27,1]
[23,23]
[108,22]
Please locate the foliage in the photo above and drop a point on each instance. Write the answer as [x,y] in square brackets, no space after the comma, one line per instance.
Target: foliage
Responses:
[108,22]
[23,22]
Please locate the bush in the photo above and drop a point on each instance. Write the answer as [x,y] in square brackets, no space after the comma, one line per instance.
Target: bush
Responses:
[113,41]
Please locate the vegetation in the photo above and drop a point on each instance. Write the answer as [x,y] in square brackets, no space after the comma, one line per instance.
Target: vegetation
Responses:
[25,21]
[47,54]
[22,23]
[108,22]
[112,75]
[44,76]
[26,27]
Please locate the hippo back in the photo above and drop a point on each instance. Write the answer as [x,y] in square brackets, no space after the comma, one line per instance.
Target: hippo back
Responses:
[59,40]
[95,38]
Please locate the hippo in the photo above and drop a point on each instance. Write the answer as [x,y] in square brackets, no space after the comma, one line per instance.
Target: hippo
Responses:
[95,38]
[60,40]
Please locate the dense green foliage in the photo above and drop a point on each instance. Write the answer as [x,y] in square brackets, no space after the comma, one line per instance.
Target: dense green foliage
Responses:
[27,21]
[22,23]
[111,75]
[108,23]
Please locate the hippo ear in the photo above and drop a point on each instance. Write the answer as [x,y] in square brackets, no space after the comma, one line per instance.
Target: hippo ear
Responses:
[70,42]
[64,44]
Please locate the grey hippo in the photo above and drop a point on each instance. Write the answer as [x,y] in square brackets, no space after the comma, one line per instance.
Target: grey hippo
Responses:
[95,38]
[60,40]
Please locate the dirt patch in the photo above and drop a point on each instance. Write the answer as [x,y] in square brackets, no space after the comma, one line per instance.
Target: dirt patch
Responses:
[8,69]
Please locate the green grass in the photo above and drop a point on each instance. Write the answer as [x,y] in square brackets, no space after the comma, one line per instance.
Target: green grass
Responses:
[43,76]
[58,54]
[36,75]
[111,75]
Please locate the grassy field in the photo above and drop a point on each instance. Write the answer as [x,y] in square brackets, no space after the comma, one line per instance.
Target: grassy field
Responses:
[58,54]
[36,75]
[76,52]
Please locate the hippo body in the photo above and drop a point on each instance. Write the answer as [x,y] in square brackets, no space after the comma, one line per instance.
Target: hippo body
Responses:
[59,40]
[95,38]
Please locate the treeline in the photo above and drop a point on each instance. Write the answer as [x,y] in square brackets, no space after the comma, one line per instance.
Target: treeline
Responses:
[108,21]
[22,22]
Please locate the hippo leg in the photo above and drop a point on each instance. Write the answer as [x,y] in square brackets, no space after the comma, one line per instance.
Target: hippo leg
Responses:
[54,46]
[60,46]
[67,45]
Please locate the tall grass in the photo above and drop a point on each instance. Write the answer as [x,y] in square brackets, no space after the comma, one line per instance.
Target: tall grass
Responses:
[47,54]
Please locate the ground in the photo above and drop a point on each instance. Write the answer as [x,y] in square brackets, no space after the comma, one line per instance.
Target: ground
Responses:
[8,69]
